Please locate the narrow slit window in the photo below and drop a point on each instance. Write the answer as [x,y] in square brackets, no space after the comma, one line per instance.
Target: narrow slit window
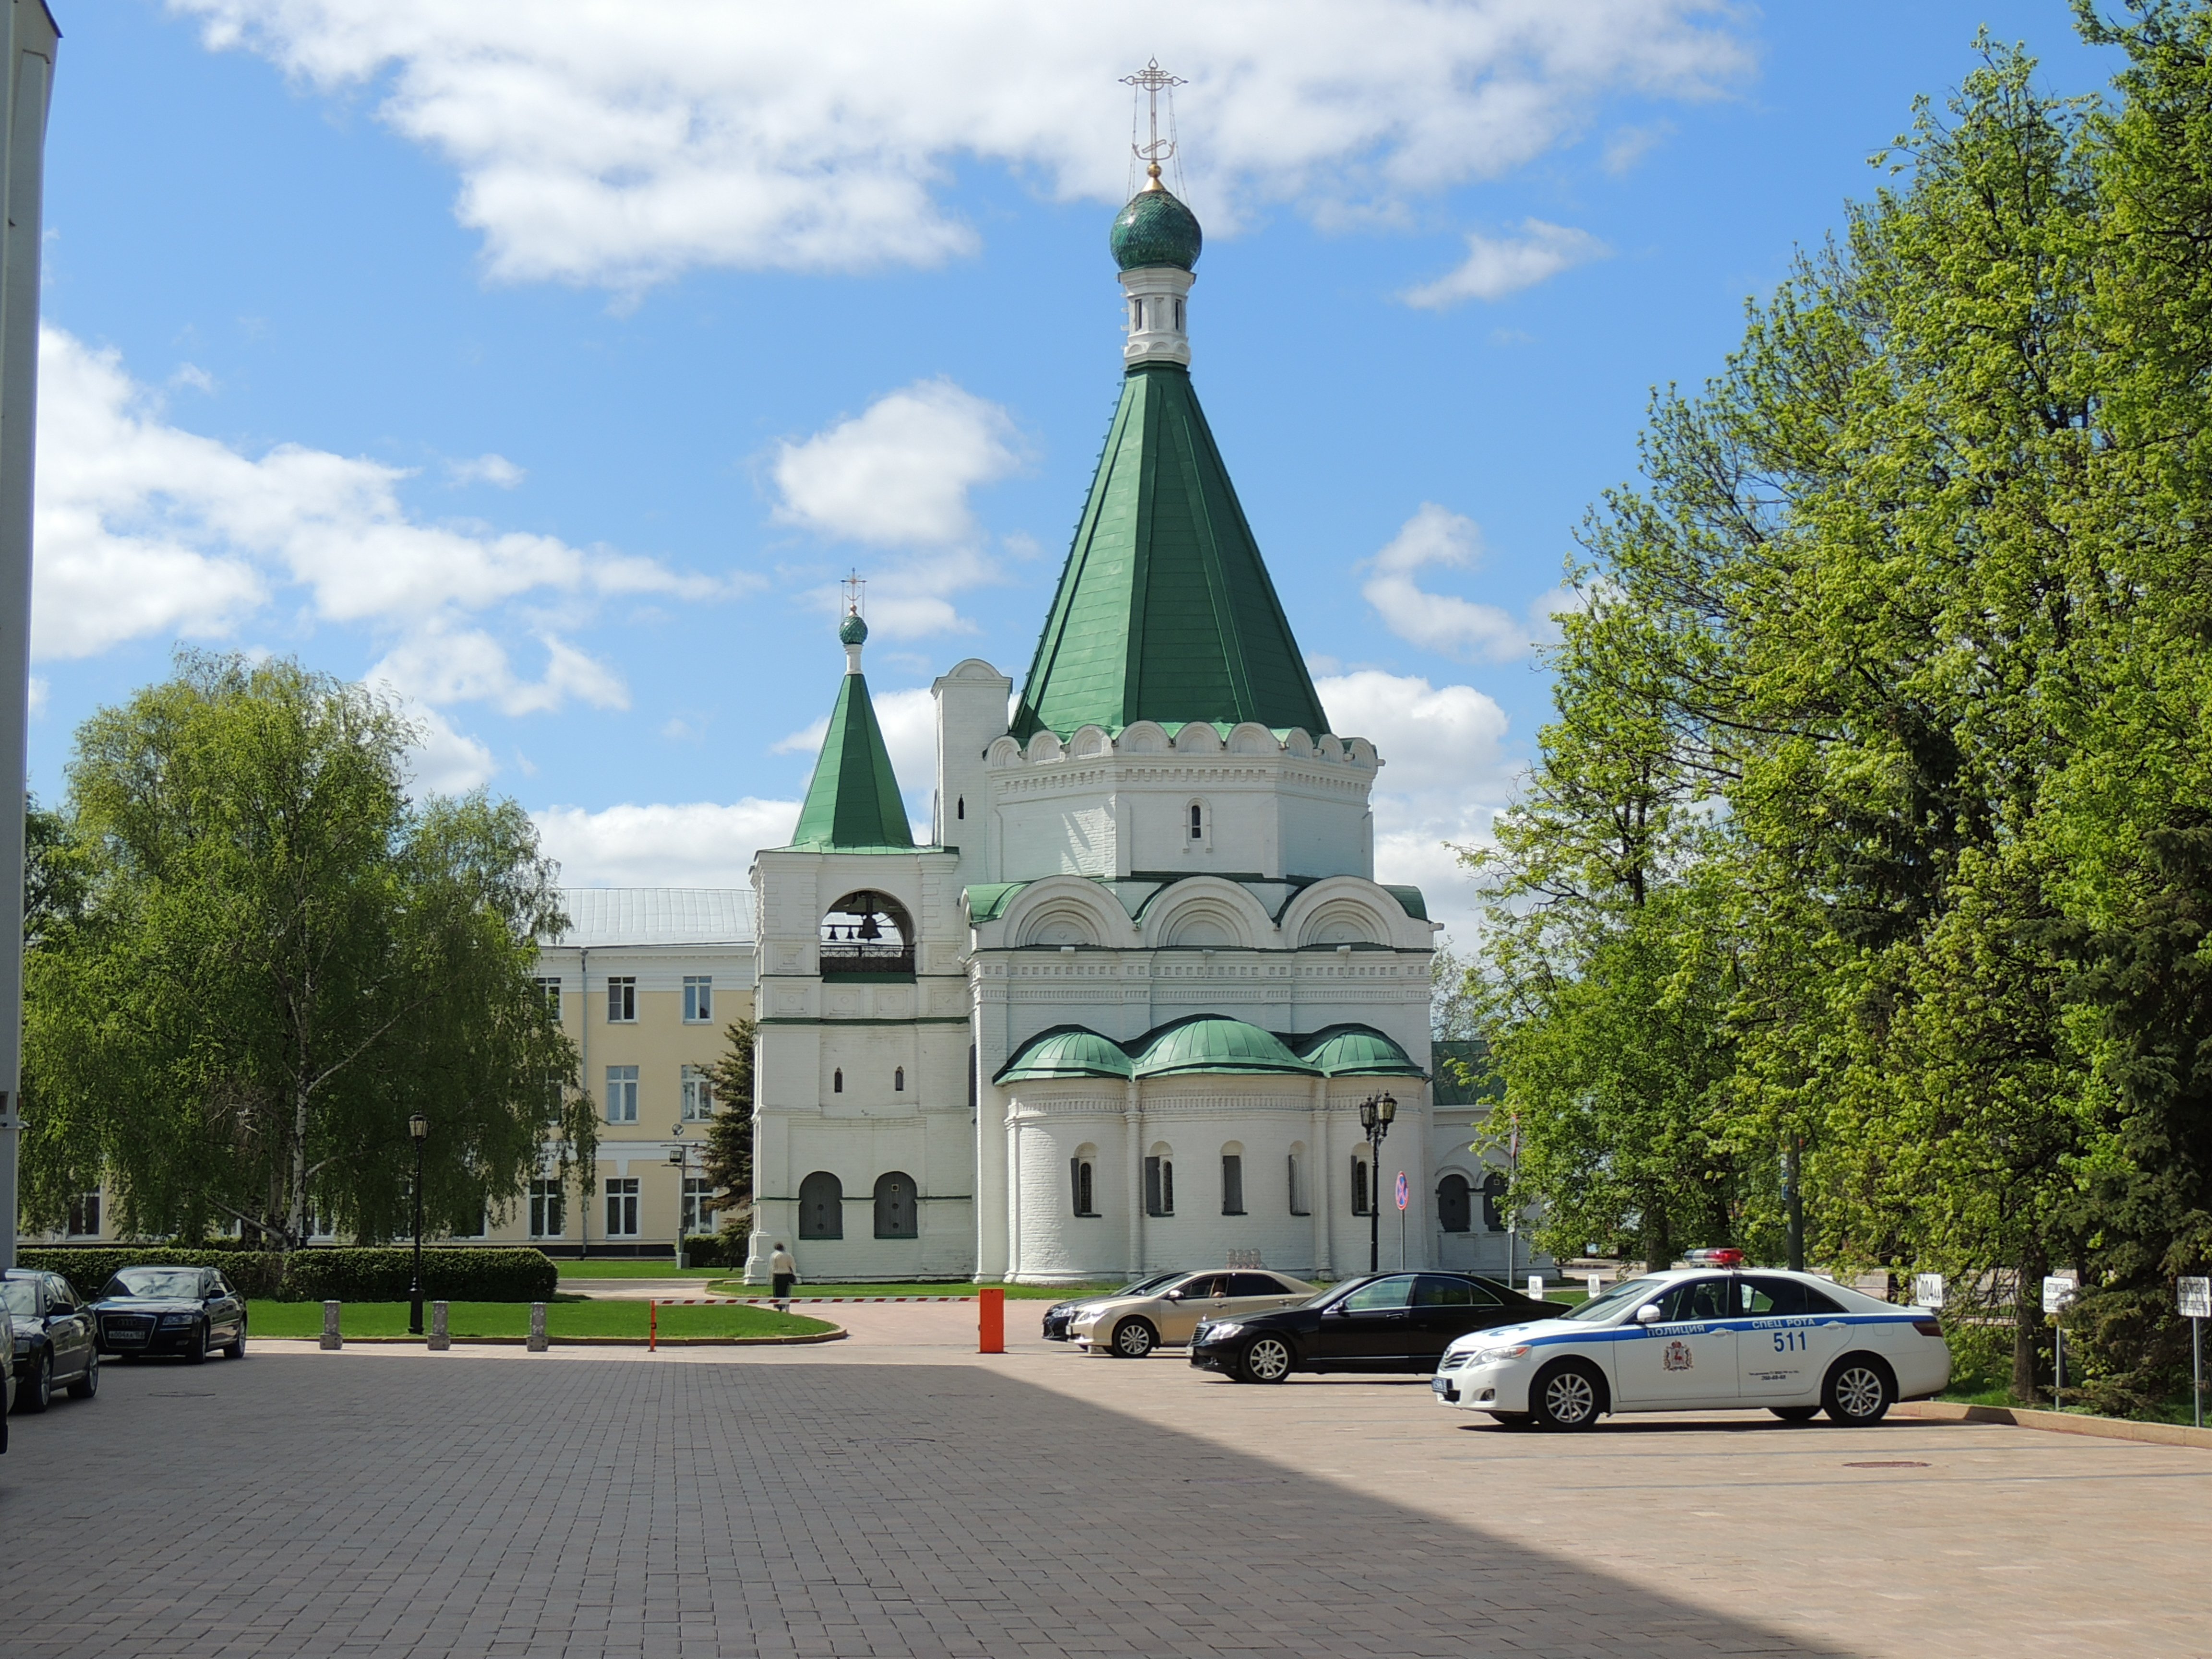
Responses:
[837,1081]
[898,1079]
[1197,822]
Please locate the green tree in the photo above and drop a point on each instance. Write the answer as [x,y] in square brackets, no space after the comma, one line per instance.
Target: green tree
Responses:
[279,957]
[730,1137]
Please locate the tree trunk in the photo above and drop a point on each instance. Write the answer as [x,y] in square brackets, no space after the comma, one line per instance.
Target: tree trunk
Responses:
[1658,1239]
[1793,1199]
[2028,1334]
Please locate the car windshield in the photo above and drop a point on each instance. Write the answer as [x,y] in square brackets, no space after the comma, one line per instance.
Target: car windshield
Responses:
[21,1297]
[1145,1287]
[1602,1307]
[154,1281]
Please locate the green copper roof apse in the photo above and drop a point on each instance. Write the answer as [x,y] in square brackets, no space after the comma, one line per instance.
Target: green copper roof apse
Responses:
[853,803]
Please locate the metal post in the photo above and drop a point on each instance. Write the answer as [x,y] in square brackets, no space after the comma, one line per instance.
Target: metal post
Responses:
[1401,1235]
[2197,1356]
[415,1291]
[440,1335]
[536,1343]
[331,1341]
[1375,1200]
[2058,1379]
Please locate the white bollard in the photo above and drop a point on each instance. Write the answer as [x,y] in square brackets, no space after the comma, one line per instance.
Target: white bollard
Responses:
[536,1343]
[440,1341]
[331,1341]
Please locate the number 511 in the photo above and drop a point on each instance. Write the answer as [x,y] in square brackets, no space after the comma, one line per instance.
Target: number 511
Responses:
[1786,1341]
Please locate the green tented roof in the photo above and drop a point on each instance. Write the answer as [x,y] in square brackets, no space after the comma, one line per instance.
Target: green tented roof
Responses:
[1164,611]
[988,900]
[1356,1051]
[1066,1051]
[1214,1043]
[853,804]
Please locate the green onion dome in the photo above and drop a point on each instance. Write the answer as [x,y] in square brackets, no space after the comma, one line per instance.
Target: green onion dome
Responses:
[1155,229]
[851,631]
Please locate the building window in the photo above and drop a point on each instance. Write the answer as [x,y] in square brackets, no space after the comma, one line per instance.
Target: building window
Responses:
[960,808]
[698,998]
[622,1002]
[698,1205]
[549,1210]
[1452,1204]
[1084,1183]
[1363,1200]
[1159,1186]
[84,1215]
[837,1081]
[698,1095]
[1232,1183]
[551,990]
[895,1207]
[622,1094]
[1298,1202]
[1493,1201]
[821,1206]
[1197,821]
[1178,305]
[621,1207]
[898,1079]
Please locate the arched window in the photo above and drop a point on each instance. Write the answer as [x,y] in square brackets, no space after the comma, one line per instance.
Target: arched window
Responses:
[1453,1207]
[1197,821]
[866,932]
[895,1207]
[1083,1183]
[1159,1182]
[1300,1201]
[960,807]
[1493,1199]
[898,1079]
[837,1081]
[1232,1179]
[1363,1200]
[821,1206]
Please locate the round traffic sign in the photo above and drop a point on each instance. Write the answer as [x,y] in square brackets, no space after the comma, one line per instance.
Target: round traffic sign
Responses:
[1404,1193]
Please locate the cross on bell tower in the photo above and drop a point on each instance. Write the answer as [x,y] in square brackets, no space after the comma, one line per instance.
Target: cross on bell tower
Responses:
[1153,81]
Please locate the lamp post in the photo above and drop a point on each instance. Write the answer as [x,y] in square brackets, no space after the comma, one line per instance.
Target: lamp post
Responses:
[1375,1114]
[680,1156]
[419,1127]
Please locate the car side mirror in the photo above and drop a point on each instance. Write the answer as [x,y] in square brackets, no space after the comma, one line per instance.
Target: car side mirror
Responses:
[1648,1314]
[1172,1295]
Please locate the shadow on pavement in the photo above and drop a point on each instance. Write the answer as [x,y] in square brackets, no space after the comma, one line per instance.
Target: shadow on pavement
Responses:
[302,1503]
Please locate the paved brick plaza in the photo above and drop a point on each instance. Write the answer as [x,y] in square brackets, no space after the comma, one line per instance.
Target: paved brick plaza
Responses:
[869,1500]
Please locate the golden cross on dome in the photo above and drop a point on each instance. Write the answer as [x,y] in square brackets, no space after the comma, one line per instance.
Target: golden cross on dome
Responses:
[1153,81]
[853,584]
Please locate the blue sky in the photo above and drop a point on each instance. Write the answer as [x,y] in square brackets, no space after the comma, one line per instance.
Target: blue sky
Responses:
[547,364]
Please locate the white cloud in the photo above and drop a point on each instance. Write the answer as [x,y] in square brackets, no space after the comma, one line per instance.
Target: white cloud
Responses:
[1496,266]
[909,719]
[436,663]
[624,144]
[1445,777]
[486,469]
[445,761]
[699,844]
[1630,145]
[39,691]
[1445,622]
[193,375]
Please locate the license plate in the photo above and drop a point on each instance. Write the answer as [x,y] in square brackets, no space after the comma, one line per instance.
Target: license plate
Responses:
[1440,1384]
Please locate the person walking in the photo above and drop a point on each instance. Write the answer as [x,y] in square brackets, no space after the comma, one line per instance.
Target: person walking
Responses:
[781,1270]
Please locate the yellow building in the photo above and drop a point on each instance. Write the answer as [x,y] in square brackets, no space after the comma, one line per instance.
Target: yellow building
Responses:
[649,980]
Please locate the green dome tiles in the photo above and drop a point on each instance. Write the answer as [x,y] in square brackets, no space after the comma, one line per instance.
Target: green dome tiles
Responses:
[1066,1051]
[1164,611]
[1356,1051]
[1155,229]
[1214,1043]
[851,630]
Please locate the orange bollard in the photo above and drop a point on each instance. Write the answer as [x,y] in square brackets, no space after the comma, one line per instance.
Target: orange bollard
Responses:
[651,1325]
[991,1320]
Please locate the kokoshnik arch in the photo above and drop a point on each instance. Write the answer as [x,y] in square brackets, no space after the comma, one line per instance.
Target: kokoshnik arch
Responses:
[1121,1011]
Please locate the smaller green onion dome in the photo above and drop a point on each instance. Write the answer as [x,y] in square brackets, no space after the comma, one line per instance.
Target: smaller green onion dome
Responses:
[851,631]
[1155,229]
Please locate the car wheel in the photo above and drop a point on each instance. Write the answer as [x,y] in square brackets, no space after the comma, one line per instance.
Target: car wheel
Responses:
[197,1354]
[36,1391]
[1859,1391]
[237,1350]
[87,1385]
[1133,1339]
[1796,1414]
[1567,1393]
[1264,1359]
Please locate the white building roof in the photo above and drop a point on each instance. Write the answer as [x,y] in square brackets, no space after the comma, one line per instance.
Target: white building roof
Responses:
[604,916]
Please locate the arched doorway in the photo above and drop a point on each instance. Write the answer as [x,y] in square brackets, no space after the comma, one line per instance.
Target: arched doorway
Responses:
[896,1216]
[821,1206]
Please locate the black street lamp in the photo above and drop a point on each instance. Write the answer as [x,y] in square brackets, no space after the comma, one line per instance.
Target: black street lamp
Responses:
[419,1127]
[1375,1114]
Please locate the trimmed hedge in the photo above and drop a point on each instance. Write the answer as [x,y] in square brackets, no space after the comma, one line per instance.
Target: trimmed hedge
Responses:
[715,1250]
[88,1267]
[340,1273]
[385,1273]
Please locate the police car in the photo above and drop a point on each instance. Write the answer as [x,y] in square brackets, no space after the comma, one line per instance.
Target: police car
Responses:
[1700,1340]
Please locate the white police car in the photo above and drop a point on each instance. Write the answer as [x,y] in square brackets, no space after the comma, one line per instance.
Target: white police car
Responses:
[1698,1339]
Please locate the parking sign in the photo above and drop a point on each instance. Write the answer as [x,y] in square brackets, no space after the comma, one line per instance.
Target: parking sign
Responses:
[1928,1290]
[2196,1299]
[1404,1191]
[2059,1291]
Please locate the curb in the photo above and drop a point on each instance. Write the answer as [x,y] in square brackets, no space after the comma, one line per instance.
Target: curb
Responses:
[762,1301]
[836,1334]
[2021,1416]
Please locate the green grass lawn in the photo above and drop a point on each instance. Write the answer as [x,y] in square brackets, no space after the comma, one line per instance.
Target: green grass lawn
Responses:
[1014,1293]
[570,1316]
[593,1267]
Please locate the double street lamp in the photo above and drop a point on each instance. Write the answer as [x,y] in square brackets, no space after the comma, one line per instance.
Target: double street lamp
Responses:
[680,1156]
[419,1127]
[1375,1114]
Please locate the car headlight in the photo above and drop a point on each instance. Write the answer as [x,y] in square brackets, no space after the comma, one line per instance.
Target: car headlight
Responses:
[179,1319]
[1227,1327]
[1493,1356]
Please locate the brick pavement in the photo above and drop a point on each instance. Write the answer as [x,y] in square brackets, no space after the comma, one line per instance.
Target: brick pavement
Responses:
[867,1499]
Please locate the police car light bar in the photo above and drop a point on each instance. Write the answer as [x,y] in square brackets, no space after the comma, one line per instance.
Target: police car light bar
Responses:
[1715,1258]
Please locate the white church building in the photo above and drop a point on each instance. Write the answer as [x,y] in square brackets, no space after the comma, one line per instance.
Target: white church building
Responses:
[1122,1010]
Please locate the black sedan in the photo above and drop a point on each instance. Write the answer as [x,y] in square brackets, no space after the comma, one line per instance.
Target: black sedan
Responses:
[1375,1322]
[52,1332]
[179,1310]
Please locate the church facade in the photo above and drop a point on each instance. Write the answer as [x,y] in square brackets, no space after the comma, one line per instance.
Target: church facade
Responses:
[1121,1011]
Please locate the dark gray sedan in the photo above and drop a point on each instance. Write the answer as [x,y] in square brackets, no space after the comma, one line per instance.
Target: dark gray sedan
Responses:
[53,1337]
[177,1310]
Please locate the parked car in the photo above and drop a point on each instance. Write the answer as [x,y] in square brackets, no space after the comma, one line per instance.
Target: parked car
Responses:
[1376,1322]
[53,1338]
[181,1310]
[1059,1317]
[1131,1327]
[1700,1341]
